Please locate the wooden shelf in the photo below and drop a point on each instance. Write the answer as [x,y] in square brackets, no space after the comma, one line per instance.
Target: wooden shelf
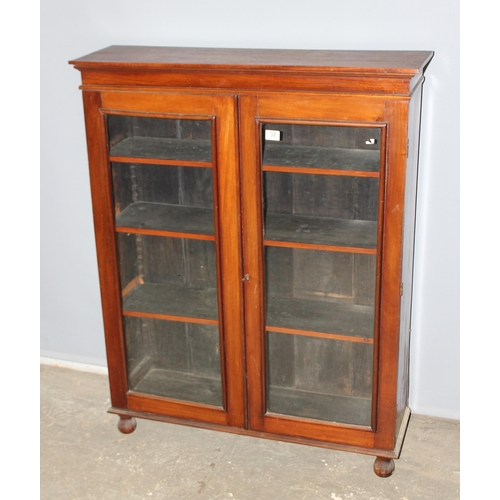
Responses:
[317,406]
[334,161]
[307,317]
[296,231]
[301,229]
[181,386]
[167,218]
[185,150]
[172,302]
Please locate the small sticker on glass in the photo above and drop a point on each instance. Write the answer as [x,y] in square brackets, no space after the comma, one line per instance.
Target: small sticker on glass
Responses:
[273,135]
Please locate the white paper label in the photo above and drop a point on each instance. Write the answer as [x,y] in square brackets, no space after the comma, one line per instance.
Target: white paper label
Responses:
[273,135]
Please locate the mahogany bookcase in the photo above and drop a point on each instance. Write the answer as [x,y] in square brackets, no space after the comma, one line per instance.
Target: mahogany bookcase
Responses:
[254,216]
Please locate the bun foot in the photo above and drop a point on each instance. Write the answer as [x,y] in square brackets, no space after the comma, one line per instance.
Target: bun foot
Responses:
[126,425]
[383,467]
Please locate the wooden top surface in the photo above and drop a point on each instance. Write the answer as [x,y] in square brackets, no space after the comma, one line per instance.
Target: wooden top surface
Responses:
[402,63]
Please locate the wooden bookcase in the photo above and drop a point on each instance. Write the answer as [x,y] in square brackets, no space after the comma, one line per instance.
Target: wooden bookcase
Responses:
[254,217]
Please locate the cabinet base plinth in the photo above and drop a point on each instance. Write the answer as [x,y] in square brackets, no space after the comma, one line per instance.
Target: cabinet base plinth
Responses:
[126,425]
[384,467]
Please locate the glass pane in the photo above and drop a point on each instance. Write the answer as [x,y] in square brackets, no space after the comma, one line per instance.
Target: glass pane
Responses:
[174,359]
[319,378]
[324,147]
[138,137]
[166,255]
[321,198]
[163,197]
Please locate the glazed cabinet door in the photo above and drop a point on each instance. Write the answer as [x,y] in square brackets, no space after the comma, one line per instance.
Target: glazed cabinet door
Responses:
[166,176]
[314,188]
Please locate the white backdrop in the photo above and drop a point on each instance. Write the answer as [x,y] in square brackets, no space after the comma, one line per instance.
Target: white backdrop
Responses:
[71,324]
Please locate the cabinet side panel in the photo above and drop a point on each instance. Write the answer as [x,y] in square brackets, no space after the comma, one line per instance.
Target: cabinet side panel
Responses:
[408,248]
[387,343]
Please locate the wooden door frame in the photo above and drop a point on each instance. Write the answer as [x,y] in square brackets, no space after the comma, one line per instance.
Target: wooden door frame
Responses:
[222,110]
[372,111]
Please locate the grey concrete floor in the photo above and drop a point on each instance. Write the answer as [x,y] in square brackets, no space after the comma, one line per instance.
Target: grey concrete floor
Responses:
[84,456]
